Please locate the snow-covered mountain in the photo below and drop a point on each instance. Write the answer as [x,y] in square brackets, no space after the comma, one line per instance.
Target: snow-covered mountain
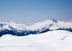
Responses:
[40,27]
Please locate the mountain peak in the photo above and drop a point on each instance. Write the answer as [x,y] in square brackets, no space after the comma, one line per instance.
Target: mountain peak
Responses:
[54,20]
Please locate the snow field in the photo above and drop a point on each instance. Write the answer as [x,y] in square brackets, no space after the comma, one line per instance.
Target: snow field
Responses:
[57,40]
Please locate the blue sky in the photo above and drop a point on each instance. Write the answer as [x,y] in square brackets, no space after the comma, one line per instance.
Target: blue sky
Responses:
[31,11]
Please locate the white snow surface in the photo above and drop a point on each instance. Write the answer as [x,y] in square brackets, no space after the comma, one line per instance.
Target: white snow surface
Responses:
[45,24]
[57,40]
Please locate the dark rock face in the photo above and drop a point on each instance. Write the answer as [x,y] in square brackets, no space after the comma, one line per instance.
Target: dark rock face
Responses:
[20,33]
[54,20]
[68,29]
[24,33]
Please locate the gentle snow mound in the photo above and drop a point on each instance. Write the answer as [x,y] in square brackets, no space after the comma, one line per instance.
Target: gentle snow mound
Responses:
[57,40]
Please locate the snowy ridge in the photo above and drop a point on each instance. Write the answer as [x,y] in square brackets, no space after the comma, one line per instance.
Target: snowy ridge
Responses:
[51,24]
[6,25]
[40,27]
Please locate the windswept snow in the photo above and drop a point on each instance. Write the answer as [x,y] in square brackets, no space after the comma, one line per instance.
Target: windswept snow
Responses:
[57,40]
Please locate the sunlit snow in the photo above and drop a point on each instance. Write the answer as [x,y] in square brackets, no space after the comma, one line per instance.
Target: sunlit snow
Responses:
[57,40]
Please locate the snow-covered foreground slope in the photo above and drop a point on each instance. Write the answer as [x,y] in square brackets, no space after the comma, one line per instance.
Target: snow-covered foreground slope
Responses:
[57,40]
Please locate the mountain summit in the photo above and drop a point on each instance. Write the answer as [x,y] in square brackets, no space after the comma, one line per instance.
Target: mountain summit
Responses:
[54,20]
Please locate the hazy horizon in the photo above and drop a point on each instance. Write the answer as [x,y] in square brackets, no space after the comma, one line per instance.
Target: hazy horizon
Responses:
[32,11]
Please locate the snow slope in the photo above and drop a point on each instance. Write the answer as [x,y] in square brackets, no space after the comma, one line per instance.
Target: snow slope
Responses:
[57,40]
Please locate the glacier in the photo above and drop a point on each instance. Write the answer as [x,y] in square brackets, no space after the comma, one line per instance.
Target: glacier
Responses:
[19,29]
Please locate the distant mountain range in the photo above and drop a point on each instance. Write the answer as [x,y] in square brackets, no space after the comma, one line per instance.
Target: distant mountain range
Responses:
[70,21]
[40,27]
